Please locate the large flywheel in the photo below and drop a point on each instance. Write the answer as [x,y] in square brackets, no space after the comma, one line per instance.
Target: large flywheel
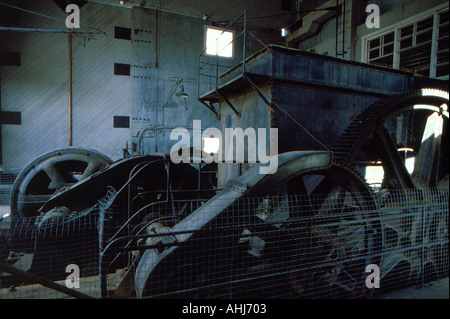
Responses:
[416,122]
[323,233]
[52,173]
[309,230]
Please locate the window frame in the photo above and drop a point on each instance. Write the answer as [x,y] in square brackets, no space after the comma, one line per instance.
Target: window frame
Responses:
[232,42]
[396,28]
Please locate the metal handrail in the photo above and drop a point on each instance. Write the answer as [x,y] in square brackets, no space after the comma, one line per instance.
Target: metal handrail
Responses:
[203,63]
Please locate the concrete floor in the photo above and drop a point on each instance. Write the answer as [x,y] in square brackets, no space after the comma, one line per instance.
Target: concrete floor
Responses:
[434,290]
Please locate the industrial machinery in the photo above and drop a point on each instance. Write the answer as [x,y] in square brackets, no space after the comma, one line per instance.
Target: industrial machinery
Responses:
[309,230]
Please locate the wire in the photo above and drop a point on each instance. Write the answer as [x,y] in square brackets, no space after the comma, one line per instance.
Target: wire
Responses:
[32,12]
[269,103]
[77,33]
[334,8]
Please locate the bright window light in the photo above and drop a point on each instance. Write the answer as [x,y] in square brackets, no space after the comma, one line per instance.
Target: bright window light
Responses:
[409,164]
[219,42]
[211,145]
[374,174]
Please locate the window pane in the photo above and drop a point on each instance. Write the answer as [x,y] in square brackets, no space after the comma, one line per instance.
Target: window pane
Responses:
[416,58]
[443,30]
[425,24]
[442,70]
[442,57]
[388,49]
[406,43]
[443,44]
[388,38]
[219,43]
[374,43]
[384,61]
[374,54]
[406,31]
[443,17]
[424,37]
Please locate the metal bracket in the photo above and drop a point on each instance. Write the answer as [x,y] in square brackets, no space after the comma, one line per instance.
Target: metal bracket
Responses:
[237,186]
[229,103]
[210,107]
[257,90]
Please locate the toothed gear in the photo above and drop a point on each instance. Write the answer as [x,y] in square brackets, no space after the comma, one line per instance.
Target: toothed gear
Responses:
[365,124]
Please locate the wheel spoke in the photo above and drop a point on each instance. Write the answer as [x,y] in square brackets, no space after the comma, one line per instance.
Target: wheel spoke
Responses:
[93,167]
[325,197]
[346,281]
[340,201]
[394,167]
[352,237]
[425,167]
[325,186]
[51,173]
[57,181]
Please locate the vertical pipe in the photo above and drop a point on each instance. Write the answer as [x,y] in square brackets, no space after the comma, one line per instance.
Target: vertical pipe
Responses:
[245,42]
[217,62]
[337,26]
[102,260]
[156,40]
[70,90]
[434,45]
[1,120]
[422,242]
[343,29]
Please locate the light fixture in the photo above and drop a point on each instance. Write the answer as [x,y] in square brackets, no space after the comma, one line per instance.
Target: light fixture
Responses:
[182,93]
[285,32]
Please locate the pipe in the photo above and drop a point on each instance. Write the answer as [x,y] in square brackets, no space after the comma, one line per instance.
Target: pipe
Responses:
[337,33]
[156,40]
[47,30]
[42,281]
[70,91]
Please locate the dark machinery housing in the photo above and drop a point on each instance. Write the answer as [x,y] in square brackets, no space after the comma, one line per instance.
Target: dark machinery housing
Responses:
[312,227]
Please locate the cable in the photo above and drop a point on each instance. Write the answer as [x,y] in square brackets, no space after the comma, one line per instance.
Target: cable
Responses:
[334,8]
[292,13]
[32,12]
[78,33]
[269,103]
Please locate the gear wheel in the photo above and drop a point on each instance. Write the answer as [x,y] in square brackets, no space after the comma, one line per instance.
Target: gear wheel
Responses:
[307,231]
[369,137]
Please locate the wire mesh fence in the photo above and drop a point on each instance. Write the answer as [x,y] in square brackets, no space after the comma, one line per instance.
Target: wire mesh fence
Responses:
[7,178]
[323,246]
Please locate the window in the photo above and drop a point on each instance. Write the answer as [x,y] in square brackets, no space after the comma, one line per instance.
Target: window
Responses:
[415,46]
[419,44]
[381,50]
[442,47]
[219,42]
